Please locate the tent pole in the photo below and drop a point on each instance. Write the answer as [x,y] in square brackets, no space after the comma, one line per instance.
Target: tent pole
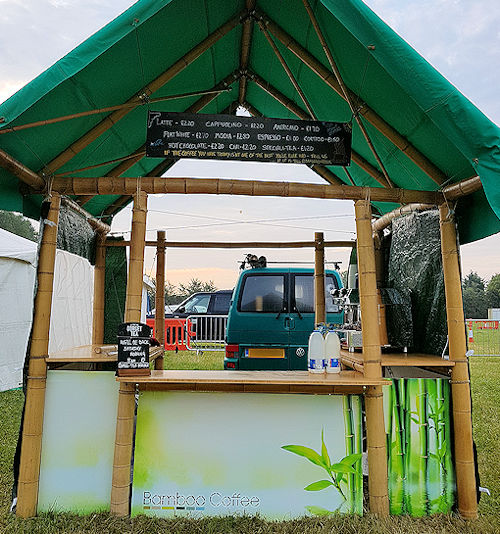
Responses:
[160,295]
[460,379]
[120,485]
[31,444]
[375,428]
[99,285]
[319,278]
[343,87]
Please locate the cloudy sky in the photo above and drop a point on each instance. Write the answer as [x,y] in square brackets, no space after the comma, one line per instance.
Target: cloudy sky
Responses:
[461,38]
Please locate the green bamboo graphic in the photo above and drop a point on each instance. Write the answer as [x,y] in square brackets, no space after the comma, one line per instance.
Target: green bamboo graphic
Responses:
[349,449]
[435,461]
[396,463]
[449,472]
[358,449]
[416,458]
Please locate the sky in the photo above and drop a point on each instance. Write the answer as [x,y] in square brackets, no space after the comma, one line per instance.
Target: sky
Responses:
[460,38]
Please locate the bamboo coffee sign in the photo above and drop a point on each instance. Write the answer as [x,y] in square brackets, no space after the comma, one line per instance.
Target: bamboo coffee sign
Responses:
[183,135]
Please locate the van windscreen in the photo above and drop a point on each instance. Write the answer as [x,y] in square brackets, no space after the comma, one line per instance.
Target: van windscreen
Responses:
[263,293]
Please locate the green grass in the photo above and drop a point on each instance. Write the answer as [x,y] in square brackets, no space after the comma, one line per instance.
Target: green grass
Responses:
[486,342]
[486,394]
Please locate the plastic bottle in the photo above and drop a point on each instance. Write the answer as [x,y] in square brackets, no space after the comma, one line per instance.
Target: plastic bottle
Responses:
[316,353]
[332,352]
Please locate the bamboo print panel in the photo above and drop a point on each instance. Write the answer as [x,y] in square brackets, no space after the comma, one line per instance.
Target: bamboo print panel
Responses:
[279,456]
[417,423]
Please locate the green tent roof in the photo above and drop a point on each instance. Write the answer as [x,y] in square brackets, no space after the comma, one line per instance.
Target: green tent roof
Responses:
[116,63]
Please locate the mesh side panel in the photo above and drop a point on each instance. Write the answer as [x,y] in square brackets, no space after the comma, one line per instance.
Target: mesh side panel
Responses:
[75,235]
[114,291]
[415,271]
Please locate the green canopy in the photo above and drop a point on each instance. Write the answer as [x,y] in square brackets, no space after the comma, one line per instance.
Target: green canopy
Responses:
[191,44]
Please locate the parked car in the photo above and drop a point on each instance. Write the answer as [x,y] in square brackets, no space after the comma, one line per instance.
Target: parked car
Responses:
[272,316]
[209,303]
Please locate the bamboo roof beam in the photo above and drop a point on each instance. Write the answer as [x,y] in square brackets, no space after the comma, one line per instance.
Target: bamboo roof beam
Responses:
[343,87]
[147,90]
[322,171]
[233,245]
[294,108]
[246,43]
[462,188]
[385,220]
[20,170]
[369,114]
[105,185]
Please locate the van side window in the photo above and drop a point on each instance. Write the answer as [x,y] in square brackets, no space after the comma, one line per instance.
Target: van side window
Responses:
[304,293]
[221,303]
[263,294]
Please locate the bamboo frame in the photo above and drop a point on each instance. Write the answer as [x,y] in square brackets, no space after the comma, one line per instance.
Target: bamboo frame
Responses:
[104,185]
[120,485]
[246,43]
[343,88]
[147,90]
[460,379]
[385,220]
[99,290]
[31,443]
[21,171]
[160,295]
[319,278]
[294,108]
[372,362]
[462,188]
[369,114]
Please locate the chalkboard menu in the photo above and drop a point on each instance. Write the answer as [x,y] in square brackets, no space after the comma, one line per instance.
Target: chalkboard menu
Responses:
[133,349]
[226,137]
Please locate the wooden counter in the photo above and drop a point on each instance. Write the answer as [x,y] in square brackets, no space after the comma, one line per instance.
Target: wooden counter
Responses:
[344,382]
[94,354]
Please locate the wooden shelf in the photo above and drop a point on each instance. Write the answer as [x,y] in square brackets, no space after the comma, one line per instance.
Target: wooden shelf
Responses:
[94,354]
[355,359]
[255,381]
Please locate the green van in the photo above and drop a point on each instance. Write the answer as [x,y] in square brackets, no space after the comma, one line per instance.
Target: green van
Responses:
[271,317]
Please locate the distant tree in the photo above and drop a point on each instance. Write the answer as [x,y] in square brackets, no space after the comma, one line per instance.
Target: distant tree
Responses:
[493,292]
[194,286]
[475,305]
[172,294]
[17,224]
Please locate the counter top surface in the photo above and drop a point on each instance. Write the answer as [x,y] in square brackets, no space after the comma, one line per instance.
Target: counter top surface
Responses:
[401,359]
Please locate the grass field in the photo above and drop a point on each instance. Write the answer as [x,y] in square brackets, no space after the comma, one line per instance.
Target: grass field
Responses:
[486,404]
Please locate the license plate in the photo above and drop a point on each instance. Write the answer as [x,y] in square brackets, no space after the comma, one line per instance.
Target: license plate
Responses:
[265,353]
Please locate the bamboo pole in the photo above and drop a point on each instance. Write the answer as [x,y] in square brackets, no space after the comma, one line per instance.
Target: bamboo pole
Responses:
[386,219]
[246,43]
[120,485]
[375,428]
[345,92]
[160,295]
[31,443]
[21,171]
[297,110]
[380,276]
[99,290]
[105,185]
[460,380]
[243,244]
[369,114]
[319,279]
[147,90]
[462,188]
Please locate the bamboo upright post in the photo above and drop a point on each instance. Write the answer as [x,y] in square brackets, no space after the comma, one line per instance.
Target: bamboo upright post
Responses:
[319,278]
[375,428]
[120,485]
[31,444]
[160,295]
[460,380]
[99,284]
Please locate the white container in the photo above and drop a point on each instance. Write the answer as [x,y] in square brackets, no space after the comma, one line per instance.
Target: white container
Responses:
[332,352]
[316,353]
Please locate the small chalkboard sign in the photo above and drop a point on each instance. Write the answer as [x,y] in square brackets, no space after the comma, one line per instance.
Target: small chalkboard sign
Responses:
[133,349]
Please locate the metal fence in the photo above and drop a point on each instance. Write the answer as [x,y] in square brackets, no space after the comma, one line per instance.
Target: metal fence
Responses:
[483,336]
[206,332]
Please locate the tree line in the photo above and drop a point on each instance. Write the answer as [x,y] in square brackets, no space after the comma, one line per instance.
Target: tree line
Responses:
[479,295]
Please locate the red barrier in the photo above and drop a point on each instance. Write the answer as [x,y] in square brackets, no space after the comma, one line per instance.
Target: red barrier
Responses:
[175,333]
[483,325]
